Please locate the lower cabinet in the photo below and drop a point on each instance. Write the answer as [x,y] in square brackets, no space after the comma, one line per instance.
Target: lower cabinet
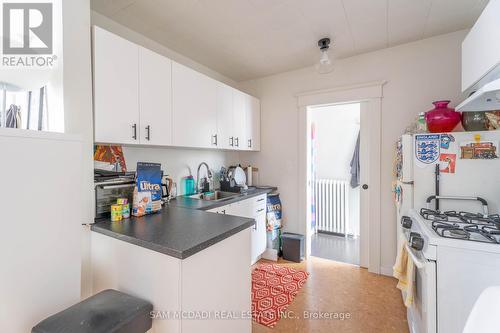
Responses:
[254,208]
[183,291]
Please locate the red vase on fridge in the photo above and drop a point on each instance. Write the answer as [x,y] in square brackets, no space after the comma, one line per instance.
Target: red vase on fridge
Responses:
[442,118]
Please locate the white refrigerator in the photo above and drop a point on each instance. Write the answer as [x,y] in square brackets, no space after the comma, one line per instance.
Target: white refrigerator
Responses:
[40,234]
[461,172]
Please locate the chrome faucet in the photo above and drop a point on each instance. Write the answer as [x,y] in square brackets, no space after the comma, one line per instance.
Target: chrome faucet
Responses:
[205,180]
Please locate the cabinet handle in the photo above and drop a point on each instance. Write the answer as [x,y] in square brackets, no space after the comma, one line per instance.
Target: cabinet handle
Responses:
[148,132]
[134,127]
[260,210]
[231,141]
[237,142]
[249,143]
[214,139]
[261,199]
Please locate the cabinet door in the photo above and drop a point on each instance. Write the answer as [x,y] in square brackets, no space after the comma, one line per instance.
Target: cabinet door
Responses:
[259,237]
[194,108]
[116,91]
[252,124]
[480,49]
[155,98]
[239,119]
[225,116]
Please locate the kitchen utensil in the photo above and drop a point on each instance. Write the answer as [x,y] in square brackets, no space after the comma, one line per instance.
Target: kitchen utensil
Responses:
[239,176]
[166,187]
[442,119]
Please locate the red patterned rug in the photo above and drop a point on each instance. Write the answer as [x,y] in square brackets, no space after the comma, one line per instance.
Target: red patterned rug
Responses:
[273,289]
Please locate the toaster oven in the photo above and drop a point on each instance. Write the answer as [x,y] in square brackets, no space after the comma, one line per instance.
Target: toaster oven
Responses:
[108,190]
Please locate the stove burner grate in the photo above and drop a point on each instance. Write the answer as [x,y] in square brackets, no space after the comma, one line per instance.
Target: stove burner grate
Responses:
[464,225]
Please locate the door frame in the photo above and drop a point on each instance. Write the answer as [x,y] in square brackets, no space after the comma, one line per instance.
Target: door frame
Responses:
[370,96]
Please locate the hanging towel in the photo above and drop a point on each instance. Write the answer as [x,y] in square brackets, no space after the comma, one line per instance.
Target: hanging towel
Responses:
[13,117]
[404,271]
[355,167]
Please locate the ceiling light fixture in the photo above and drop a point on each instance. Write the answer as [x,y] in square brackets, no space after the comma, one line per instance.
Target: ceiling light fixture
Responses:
[325,64]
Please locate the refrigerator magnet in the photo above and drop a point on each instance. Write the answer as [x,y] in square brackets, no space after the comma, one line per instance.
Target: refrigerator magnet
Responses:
[427,148]
[447,163]
[446,139]
[478,150]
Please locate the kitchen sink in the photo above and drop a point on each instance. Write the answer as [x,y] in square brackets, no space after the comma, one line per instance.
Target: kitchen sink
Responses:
[214,196]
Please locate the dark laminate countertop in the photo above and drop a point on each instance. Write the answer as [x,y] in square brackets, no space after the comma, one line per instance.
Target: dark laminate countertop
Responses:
[191,203]
[182,228]
[177,232]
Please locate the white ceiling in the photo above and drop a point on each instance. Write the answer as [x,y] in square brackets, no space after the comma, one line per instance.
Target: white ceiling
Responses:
[246,39]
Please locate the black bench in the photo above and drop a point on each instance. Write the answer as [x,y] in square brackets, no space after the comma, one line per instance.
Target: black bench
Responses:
[106,312]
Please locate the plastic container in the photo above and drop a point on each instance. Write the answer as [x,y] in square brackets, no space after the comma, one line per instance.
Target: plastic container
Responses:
[189,187]
[442,119]
[293,246]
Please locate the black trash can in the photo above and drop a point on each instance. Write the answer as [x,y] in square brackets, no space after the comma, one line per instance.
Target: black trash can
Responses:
[292,246]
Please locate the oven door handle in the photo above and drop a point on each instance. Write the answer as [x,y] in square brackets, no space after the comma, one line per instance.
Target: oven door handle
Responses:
[418,262]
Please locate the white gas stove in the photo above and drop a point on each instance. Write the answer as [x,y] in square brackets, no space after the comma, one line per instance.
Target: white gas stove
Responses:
[457,256]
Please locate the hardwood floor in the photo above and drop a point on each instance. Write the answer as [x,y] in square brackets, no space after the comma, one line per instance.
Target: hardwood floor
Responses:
[372,301]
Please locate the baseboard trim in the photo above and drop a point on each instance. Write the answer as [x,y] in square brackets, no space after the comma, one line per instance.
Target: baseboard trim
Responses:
[387,271]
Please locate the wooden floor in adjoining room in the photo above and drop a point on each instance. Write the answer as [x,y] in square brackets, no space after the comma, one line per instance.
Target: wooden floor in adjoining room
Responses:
[373,302]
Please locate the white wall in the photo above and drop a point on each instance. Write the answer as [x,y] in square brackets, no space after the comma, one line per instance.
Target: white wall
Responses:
[78,109]
[337,129]
[179,163]
[417,74]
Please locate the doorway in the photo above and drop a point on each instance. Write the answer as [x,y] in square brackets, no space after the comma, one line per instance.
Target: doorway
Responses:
[369,97]
[334,181]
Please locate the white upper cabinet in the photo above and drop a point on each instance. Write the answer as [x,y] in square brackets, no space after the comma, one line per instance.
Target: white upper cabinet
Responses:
[481,47]
[239,120]
[194,108]
[155,91]
[252,124]
[141,97]
[224,116]
[116,91]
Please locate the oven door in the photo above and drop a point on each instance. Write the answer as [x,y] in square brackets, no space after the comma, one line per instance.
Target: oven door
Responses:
[422,313]
[107,194]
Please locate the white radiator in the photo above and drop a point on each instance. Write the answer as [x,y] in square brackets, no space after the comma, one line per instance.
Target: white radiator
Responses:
[331,199]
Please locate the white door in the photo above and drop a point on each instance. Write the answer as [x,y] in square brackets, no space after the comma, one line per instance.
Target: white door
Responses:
[369,255]
[116,91]
[155,91]
[224,116]
[370,106]
[252,124]
[239,119]
[194,108]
